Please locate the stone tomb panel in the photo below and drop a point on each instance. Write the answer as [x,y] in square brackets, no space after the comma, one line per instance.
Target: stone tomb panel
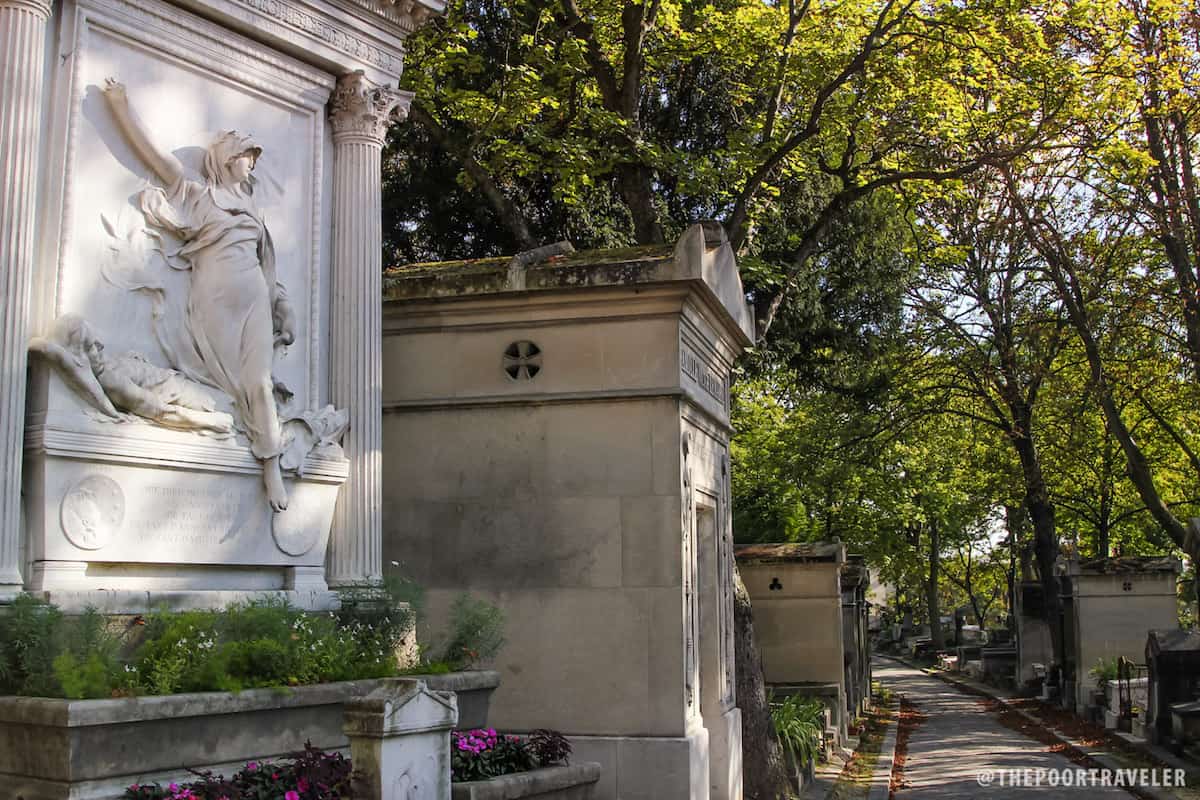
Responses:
[187,80]
[118,513]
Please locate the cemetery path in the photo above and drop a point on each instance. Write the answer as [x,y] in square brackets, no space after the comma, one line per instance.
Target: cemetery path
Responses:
[961,750]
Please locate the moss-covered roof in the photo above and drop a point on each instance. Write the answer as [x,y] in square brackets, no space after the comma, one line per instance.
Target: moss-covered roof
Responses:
[619,266]
[1128,565]
[786,552]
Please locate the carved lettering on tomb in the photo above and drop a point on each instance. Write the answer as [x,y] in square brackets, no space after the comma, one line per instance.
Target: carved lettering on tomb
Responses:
[699,371]
[192,516]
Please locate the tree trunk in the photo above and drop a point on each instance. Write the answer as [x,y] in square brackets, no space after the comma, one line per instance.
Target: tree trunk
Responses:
[764,774]
[931,589]
[1041,515]
[1014,520]
[635,182]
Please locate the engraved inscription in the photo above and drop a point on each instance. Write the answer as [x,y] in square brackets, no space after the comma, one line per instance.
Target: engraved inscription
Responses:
[695,368]
[192,516]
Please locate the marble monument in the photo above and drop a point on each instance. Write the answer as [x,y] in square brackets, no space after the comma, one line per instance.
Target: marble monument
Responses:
[191,325]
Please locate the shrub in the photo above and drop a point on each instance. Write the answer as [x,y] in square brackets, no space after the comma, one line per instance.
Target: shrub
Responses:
[799,724]
[1105,670]
[46,653]
[251,645]
[549,747]
[259,644]
[476,633]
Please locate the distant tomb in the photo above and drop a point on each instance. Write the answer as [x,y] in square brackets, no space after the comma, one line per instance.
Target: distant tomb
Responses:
[1109,607]
[799,625]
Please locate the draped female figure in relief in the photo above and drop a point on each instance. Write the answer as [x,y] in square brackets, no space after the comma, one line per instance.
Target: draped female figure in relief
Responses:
[237,311]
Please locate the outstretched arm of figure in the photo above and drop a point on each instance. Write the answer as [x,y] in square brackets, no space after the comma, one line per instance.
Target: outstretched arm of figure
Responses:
[76,372]
[164,165]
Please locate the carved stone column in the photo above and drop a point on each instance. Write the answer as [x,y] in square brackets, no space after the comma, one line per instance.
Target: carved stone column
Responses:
[361,112]
[22,54]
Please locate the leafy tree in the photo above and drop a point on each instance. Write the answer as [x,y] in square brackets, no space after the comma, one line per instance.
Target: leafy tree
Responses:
[994,331]
[1114,213]
[621,122]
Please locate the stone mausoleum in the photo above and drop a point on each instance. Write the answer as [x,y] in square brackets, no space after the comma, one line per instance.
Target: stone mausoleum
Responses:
[796,591]
[558,443]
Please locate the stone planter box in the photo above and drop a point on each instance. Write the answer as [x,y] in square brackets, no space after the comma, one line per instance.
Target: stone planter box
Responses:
[53,749]
[573,782]
[474,689]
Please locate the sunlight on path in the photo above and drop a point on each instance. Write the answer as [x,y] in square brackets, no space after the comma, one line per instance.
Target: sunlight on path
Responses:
[960,740]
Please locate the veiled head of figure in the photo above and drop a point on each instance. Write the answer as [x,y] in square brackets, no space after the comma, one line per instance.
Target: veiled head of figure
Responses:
[230,159]
[72,333]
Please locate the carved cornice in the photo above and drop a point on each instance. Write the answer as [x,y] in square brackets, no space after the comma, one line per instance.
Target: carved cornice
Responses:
[361,108]
[38,7]
[406,14]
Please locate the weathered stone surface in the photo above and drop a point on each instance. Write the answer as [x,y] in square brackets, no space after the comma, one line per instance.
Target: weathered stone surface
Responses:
[473,690]
[91,749]
[573,782]
[59,749]
[400,740]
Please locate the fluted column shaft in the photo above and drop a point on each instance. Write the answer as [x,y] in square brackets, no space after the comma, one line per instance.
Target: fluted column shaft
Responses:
[22,53]
[361,113]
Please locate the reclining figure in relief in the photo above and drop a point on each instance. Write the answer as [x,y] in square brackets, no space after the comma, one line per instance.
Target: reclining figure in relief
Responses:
[128,383]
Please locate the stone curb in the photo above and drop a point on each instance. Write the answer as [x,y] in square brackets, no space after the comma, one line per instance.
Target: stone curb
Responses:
[885,762]
[1099,756]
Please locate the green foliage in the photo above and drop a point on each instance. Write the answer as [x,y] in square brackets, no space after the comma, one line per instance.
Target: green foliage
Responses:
[269,643]
[258,644]
[1104,670]
[800,725]
[46,653]
[475,635]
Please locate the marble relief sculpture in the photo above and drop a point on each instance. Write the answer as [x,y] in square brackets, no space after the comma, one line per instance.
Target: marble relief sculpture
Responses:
[237,312]
[128,383]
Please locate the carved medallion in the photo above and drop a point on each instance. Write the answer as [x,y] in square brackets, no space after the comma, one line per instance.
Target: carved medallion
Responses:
[92,512]
[295,529]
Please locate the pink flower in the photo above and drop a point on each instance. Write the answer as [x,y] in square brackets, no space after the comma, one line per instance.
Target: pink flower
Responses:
[250,767]
[291,796]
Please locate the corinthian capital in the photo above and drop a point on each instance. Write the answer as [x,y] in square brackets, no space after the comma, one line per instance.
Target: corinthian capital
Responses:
[362,108]
[39,7]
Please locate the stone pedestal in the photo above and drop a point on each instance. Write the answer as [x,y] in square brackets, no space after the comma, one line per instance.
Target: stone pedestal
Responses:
[400,741]
[22,59]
